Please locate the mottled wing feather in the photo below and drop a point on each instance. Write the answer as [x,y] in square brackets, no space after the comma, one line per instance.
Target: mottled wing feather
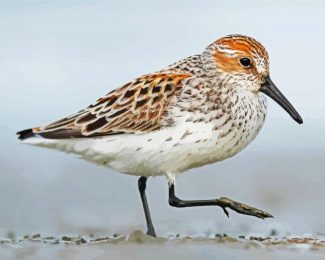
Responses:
[136,107]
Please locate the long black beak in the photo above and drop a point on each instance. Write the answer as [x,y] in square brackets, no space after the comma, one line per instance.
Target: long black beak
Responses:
[273,92]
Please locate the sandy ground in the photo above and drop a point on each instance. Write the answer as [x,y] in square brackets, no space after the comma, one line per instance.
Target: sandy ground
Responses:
[137,245]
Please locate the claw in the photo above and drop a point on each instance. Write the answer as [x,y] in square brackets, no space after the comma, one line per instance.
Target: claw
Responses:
[226,212]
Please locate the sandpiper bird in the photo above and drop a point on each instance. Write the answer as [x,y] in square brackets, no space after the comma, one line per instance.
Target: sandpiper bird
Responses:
[197,111]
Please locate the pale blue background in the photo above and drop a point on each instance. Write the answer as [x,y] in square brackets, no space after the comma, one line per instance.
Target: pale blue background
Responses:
[58,57]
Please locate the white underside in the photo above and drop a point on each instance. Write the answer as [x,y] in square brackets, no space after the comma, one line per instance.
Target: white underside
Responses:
[162,152]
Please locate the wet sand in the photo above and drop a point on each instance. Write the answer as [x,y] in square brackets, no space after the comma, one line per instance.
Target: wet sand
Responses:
[138,245]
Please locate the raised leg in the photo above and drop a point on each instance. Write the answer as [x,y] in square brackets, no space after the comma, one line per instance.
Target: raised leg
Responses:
[222,202]
[142,183]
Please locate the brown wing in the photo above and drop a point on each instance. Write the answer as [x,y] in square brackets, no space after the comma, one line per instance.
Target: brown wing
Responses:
[133,108]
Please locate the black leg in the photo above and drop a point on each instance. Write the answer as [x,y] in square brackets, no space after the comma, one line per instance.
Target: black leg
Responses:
[222,202]
[176,202]
[142,188]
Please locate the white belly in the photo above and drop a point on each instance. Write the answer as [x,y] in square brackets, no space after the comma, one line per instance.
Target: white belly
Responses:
[171,150]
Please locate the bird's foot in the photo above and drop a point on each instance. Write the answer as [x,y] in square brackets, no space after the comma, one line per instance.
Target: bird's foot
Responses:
[241,208]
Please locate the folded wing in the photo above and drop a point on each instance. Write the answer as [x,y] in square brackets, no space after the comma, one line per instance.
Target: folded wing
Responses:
[136,107]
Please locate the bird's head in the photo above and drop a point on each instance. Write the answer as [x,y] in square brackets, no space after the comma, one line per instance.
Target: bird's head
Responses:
[244,63]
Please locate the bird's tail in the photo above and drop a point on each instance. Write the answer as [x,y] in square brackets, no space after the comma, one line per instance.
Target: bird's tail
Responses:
[25,134]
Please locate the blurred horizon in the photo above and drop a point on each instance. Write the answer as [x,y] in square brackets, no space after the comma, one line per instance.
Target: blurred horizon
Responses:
[59,57]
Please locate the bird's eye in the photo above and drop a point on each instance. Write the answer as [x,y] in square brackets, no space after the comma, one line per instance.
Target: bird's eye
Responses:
[245,62]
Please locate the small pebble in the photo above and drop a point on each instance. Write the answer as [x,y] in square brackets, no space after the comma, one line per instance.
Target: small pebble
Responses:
[273,232]
[11,235]
[54,242]
[65,238]
[257,238]
[100,239]
[242,237]
[178,235]
[49,238]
